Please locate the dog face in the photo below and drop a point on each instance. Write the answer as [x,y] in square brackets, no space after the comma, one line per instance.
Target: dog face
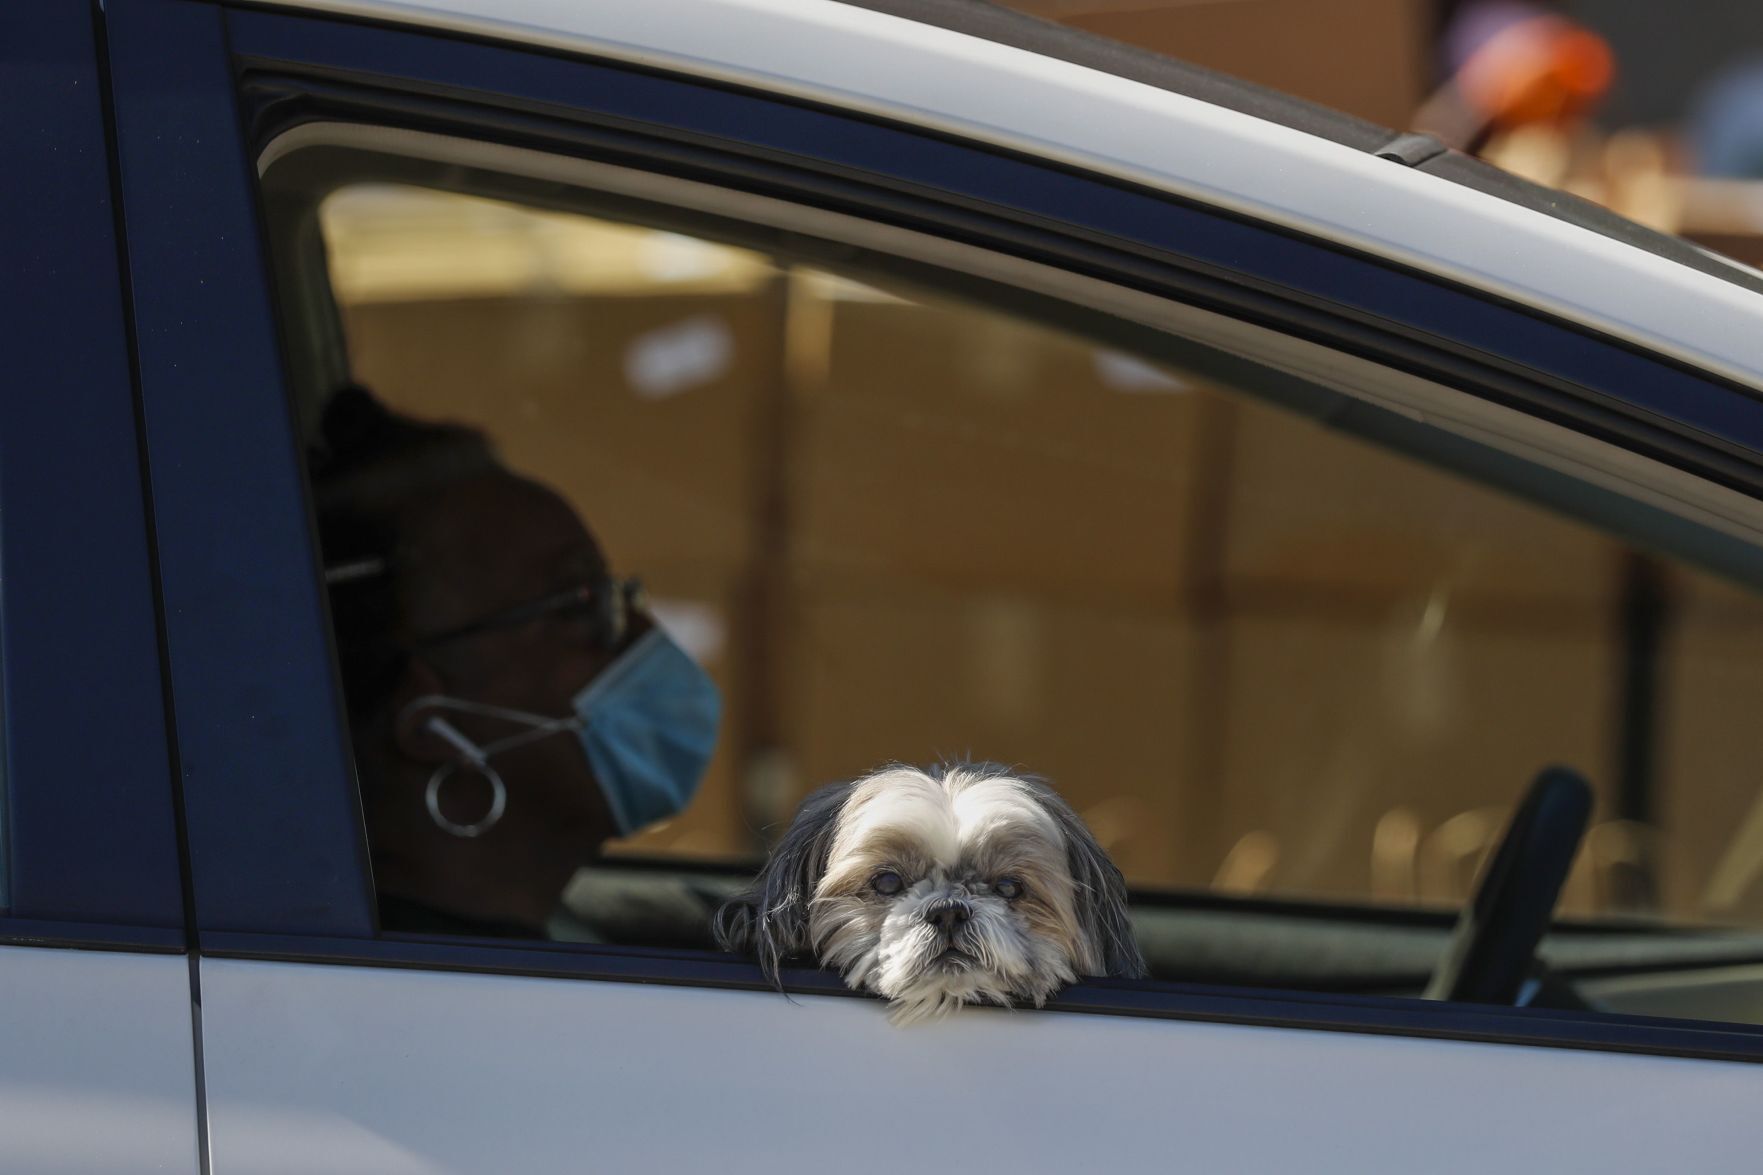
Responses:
[937,888]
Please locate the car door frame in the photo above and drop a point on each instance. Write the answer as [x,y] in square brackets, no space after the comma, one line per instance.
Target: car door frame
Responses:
[101,1065]
[91,847]
[274,827]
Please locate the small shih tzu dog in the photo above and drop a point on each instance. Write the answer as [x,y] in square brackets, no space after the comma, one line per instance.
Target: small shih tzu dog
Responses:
[939,887]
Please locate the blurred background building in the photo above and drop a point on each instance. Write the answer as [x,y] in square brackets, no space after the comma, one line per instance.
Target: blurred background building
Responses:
[1653,110]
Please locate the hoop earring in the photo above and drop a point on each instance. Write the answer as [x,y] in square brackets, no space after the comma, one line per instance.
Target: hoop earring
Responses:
[472,756]
[498,799]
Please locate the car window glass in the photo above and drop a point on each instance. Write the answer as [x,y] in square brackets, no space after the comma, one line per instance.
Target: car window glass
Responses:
[1263,659]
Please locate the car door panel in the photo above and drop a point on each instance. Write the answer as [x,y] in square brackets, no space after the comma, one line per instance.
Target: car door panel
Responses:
[394,1070]
[97,1065]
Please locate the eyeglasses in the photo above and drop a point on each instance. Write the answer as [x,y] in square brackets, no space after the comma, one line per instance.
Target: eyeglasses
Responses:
[604,602]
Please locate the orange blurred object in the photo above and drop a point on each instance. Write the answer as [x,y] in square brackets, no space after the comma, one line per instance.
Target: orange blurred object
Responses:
[1545,69]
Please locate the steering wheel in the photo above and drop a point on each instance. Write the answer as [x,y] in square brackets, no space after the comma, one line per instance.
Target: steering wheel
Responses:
[1497,934]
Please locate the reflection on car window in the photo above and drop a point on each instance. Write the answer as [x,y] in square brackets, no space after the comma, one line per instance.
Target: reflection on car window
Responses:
[1263,659]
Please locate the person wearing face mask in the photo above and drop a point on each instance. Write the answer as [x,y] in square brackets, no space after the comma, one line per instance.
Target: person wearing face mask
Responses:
[511,704]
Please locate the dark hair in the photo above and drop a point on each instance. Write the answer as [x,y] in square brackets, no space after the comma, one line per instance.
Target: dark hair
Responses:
[372,464]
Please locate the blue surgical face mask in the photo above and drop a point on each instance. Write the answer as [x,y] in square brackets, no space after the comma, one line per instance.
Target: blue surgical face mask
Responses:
[647,724]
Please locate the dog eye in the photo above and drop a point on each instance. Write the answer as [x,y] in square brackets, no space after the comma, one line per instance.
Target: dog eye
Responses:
[1007,888]
[887,883]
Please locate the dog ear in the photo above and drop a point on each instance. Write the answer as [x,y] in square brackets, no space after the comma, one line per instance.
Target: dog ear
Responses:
[1101,890]
[770,920]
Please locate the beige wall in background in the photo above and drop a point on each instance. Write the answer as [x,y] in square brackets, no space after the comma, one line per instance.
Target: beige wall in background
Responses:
[926,530]
[1255,653]
[1365,57]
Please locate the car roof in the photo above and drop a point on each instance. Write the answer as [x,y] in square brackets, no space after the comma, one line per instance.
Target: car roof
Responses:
[990,75]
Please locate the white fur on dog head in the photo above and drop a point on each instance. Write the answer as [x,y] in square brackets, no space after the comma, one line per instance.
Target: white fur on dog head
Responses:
[941,887]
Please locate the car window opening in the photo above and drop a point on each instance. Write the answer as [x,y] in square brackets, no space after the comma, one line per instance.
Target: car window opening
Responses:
[1297,684]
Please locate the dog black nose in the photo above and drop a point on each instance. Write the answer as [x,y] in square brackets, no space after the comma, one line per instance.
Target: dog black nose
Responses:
[948,914]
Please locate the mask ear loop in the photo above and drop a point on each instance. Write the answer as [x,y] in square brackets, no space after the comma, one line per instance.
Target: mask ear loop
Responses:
[476,760]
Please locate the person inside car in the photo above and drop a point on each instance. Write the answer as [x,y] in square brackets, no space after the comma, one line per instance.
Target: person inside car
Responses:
[512,706]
